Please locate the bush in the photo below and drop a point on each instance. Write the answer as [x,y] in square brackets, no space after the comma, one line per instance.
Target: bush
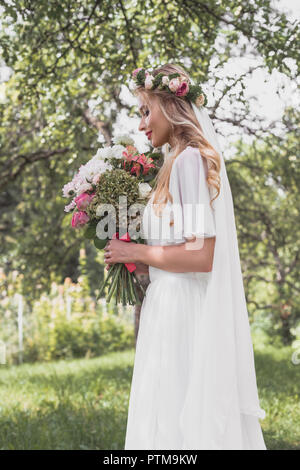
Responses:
[68,323]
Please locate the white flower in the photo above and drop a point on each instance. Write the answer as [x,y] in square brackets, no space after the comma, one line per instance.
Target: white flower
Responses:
[104,152]
[68,189]
[144,190]
[165,80]
[88,174]
[117,150]
[123,139]
[83,188]
[70,206]
[174,84]
[78,180]
[149,81]
[199,101]
[95,166]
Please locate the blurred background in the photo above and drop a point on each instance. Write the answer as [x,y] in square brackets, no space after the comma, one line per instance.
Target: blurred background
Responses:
[66,359]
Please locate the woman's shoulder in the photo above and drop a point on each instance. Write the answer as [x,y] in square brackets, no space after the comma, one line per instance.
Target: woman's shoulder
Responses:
[190,155]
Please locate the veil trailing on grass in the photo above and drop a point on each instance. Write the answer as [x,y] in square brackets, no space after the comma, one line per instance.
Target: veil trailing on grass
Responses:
[222,375]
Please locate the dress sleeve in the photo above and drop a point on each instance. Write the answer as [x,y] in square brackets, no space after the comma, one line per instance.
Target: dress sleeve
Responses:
[191,195]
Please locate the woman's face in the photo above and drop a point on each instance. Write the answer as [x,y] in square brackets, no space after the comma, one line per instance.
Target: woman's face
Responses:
[154,121]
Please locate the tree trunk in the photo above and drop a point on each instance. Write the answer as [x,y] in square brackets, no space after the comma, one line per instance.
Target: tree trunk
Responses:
[144,280]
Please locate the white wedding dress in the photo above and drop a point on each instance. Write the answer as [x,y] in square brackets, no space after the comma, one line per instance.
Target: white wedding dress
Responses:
[166,339]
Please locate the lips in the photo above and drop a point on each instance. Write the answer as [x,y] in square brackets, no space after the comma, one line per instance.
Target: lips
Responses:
[149,134]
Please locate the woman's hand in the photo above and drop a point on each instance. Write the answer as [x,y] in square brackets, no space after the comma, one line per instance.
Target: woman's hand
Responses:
[117,251]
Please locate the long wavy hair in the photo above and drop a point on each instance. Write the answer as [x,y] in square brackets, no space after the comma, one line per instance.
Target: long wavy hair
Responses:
[186,130]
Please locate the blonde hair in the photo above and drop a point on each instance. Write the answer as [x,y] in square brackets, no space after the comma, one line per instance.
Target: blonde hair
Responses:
[181,116]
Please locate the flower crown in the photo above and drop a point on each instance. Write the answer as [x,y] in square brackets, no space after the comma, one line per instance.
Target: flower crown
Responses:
[173,83]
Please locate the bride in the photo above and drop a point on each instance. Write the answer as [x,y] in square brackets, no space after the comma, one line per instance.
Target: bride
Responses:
[194,381]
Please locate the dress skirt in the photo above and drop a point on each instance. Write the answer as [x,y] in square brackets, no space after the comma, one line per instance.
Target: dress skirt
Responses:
[164,352]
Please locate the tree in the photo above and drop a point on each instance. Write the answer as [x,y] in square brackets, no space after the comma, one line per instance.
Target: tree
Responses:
[265,178]
[69,60]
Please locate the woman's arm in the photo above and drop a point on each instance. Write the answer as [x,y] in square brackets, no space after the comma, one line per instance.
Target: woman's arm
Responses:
[187,257]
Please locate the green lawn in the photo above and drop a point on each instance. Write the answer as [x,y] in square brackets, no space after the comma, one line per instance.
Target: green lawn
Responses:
[278,381]
[74,404]
[82,404]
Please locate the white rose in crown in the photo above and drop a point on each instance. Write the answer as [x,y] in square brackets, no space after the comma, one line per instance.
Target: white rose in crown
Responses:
[144,190]
[149,81]
[174,84]
[199,101]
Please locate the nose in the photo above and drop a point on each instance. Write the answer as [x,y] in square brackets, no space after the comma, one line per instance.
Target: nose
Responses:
[142,124]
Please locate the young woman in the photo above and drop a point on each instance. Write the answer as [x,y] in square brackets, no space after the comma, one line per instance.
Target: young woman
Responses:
[194,382]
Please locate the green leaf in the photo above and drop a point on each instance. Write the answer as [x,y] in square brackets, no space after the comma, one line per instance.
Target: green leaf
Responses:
[99,244]
[90,231]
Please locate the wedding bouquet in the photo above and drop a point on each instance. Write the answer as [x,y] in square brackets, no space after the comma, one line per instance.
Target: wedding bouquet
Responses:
[115,176]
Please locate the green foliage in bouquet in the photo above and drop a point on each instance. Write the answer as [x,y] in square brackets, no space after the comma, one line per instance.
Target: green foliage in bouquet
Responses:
[126,285]
[105,193]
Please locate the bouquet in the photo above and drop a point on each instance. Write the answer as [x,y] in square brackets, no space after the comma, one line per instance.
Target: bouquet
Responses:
[115,176]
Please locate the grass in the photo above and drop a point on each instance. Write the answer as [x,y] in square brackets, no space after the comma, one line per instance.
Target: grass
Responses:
[73,404]
[82,404]
[278,381]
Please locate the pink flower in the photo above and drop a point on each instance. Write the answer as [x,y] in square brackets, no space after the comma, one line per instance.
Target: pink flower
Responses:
[83,200]
[146,162]
[183,89]
[136,71]
[141,162]
[79,219]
